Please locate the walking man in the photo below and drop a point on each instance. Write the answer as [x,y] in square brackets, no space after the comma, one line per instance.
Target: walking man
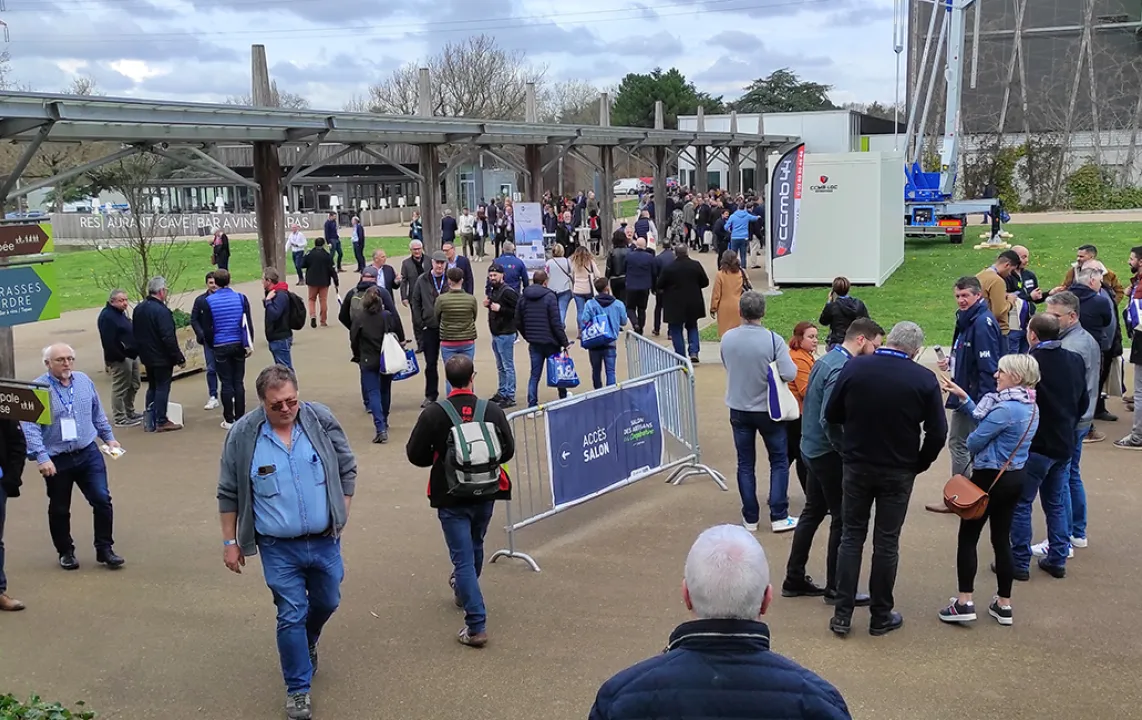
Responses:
[69,456]
[681,284]
[159,351]
[358,231]
[464,509]
[411,268]
[277,302]
[229,326]
[333,239]
[295,246]
[501,303]
[319,275]
[13,449]
[285,489]
[196,312]
[427,288]
[538,320]
[118,339]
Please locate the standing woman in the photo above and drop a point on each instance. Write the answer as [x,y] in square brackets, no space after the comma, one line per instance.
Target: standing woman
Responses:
[840,311]
[220,254]
[584,271]
[729,284]
[803,350]
[560,280]
[1006,423]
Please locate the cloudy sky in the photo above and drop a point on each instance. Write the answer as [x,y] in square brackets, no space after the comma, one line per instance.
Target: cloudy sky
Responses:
[331,50]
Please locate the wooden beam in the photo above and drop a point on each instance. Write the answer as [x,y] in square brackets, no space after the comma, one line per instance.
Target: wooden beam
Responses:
[268,209]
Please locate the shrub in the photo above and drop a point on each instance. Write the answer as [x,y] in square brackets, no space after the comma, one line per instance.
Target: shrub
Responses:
[181,320]
[36,709]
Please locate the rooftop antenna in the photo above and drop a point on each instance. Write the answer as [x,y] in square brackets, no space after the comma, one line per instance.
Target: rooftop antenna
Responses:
[899,29]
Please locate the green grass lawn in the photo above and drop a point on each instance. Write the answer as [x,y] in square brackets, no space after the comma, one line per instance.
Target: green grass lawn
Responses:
[921,290]
[626,208]
[79,272]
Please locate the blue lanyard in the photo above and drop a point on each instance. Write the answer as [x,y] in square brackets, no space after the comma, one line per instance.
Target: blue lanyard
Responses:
[439,285]
[893,353]
[841,349]
[68,404]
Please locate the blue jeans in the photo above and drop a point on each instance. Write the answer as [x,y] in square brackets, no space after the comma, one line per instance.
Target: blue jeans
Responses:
[305,577]
[298,255]
[1046,477]
[539,355]
[280,349]
[159,392]
[675,331]
[580,304]
[564,300]
[3,512]
[464,529]
[371,390]
[447,351]
[503,348]
[211,372]
[601,357]
[1017,343]
[1074,501]
[741,247]
[745,425]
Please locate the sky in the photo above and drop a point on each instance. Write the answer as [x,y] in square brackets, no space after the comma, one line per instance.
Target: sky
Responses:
[331,50]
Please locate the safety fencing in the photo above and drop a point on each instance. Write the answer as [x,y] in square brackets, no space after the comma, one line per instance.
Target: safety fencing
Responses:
[572,451]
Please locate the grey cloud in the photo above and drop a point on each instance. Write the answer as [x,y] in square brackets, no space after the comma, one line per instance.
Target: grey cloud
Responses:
[657,46]
[117,37]
[219,80]
[736,41]
[328,12]
[740,69]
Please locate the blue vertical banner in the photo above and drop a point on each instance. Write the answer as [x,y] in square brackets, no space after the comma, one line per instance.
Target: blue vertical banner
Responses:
[602,441]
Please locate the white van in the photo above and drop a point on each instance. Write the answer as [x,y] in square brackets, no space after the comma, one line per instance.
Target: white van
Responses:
[627,186]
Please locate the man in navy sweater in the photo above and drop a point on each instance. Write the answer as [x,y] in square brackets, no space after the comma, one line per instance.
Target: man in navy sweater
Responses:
[229,326]
[333,239]
[891,413]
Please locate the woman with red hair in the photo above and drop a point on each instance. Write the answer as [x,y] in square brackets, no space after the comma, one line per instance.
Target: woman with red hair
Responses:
[803,350]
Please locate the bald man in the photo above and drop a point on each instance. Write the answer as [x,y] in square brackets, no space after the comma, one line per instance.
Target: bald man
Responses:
[1023,284]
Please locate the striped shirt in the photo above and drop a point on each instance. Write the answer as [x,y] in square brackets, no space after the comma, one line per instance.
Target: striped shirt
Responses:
[78,400]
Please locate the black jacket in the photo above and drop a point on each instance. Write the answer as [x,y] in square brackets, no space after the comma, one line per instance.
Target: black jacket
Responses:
[367,335]
[1096,314]
[448,227]
[429,441]
[320,270]
[503,322]
[465,264]
[277,315]
[116,335]
[681,284]
[1061,397]
[839,314]
[661,260]
[345,315]
[641,270]
[13,448]
[221,253]
[410,270]
[197,313]
[155,336]
[617,262]
[537,316]
[422,299]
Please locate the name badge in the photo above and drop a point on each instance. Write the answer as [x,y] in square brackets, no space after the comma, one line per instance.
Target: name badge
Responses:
[68,429]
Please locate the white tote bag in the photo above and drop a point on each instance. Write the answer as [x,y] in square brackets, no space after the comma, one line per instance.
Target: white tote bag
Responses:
[393,358]
[783,405]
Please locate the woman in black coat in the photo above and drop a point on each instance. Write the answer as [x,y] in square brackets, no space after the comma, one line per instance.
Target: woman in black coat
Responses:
[366,340]
[680,286]
[220,255]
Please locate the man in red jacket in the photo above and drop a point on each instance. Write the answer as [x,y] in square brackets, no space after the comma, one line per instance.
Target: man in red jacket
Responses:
[463,518]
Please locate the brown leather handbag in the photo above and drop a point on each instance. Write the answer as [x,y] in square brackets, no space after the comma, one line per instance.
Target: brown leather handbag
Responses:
[968,500]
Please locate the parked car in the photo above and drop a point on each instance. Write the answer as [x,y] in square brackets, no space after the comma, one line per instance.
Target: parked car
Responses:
[628,186]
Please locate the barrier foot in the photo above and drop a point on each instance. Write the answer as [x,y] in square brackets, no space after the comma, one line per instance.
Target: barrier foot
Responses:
[686,471]
[516,555]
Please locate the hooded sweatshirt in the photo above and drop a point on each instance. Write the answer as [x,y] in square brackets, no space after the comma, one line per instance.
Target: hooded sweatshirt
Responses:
[611,307]
[738,224]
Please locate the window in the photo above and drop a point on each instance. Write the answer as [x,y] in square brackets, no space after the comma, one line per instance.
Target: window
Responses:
[714,179]
[748,180]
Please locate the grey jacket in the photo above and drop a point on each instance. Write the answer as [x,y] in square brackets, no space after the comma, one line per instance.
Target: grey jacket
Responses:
[328,440]
[1078,340]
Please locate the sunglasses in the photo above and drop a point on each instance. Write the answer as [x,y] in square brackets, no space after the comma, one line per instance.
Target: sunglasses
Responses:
[281,405]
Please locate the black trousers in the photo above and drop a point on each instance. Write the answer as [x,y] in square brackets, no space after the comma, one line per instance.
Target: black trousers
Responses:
[636,302]
[657,312]
[823,496]
[619,288]
[1000,512]
[335,250]
[793,450]
[86,470]
[889,490]
[359,255]
[430,339]
[1103,374]
[230,364]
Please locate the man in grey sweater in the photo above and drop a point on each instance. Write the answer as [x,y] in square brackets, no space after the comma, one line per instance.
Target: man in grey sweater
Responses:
[747,351]
[285,487]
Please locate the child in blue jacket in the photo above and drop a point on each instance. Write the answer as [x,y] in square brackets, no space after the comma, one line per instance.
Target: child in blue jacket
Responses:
[604,304]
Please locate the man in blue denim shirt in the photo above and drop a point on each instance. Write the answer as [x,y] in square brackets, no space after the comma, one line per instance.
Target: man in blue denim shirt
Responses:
[288,477]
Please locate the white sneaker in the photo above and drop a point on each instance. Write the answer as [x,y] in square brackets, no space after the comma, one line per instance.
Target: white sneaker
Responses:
[1079,542]
[1041,549]
[211,404]
[226,426]
[752,527]
[780,526]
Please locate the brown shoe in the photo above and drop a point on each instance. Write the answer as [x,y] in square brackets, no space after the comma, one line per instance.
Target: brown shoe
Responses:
[940,508]
[168,426]
[1094,436]
[9,604]
[478,640]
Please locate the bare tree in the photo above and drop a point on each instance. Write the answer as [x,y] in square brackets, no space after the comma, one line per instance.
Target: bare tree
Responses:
[7,82]
[571,102]
[356,104]
[278,99]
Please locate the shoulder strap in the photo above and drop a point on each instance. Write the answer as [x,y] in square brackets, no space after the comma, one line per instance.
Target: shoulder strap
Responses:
[450,410]
[1034,410]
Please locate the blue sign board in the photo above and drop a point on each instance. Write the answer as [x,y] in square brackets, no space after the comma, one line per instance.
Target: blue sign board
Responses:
[603,440]
[27,294]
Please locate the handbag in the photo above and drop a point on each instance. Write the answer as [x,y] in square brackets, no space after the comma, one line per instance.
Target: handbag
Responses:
[412,366]
[598,333]
[393,358]
[561,371]
[783,406]
[968,500]
[746,285]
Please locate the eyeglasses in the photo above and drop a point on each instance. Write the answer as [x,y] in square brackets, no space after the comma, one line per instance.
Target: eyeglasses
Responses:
[61,360]
[281,405]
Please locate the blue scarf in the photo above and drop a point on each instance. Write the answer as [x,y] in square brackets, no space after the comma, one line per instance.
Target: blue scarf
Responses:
[992,400]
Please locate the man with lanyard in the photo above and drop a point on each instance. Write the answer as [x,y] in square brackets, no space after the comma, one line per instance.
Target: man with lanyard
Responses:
[423,296]
[1023,284]
[68,456]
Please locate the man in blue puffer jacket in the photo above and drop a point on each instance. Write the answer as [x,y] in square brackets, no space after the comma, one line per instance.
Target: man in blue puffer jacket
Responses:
[719,665]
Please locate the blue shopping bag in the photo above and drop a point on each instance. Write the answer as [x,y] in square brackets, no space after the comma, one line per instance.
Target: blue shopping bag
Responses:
[561,372]
[413,366]
[597,333]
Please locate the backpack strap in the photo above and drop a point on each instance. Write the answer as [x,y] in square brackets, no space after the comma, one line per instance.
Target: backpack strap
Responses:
[454,417]
[478,418]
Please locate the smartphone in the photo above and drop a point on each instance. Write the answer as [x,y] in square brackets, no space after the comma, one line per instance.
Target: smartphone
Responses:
[940,353]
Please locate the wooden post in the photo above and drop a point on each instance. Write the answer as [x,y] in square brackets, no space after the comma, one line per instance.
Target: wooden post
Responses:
[268,174]
[735,180]
[430,170]
[661,222]
[532,157]
[702,182]
[607,191]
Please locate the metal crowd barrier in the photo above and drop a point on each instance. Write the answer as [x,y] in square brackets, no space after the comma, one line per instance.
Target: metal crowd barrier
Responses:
[533,493]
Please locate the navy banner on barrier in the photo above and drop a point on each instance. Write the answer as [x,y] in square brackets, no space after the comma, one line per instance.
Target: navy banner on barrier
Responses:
[603,440]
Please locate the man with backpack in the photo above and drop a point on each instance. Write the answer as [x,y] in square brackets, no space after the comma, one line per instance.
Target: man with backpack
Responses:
[465,441]
[285,312]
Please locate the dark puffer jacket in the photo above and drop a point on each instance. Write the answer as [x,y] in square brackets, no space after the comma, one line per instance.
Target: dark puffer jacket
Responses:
[537,317]
[839,314]
[719,669]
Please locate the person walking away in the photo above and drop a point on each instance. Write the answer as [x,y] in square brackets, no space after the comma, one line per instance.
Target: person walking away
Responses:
[296,245]
[13,452]
[803,350]
[681,284]
[1061,398]
[823,487]
[840,311]
[1000,444]
[993,284]
[738,227]
[482,231]
[1132,315]
[584,271]
[884,403]
[456,313]
[352,307]
[277,303]
[68,456]
[196,312]
[229,328]
[455,260]
[641,274]
[333,240]
[366,341]
[448,227]
[729,283]
[537,317]
[429,286]
[604,304]
[285,489]
[320,273]
[617,269]
[514,270]
[1023,283]
[122,359]
[411,268]
[466,226]
[159,351]
[663,259]
[719,664]
[747,351]
[464,492]
[1098,317]
[559,279]
[358,239]
[220,250]
[501,302]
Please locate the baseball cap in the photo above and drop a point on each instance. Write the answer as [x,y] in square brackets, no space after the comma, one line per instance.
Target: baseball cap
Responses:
[439,256]
[369,271]
[497,268]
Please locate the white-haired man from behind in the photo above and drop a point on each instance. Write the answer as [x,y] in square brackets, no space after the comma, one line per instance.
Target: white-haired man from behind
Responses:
[719,664]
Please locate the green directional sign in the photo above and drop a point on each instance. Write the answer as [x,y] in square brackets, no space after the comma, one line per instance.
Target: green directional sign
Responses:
[19,240]
[28,294]
[26,403]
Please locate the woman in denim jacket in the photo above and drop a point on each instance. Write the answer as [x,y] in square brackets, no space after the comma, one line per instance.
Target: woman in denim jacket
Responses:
[1006,422]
